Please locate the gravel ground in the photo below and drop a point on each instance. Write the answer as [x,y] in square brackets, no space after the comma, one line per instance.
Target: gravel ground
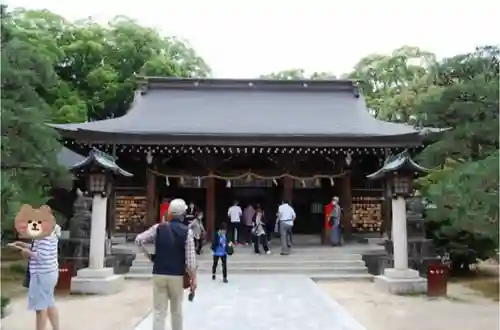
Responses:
[121,311]
[463,309]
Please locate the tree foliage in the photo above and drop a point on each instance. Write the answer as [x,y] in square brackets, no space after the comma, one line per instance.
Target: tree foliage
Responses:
[96,65]
[55,70]
[297,74]
[29,147]
[460,94]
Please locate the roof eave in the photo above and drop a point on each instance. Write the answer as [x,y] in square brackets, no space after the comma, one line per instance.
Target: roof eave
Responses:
[390,141]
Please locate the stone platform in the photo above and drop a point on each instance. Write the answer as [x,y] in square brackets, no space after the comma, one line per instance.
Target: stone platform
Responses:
[256,302]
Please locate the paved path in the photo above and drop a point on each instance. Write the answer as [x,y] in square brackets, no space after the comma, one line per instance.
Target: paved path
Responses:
[280,302]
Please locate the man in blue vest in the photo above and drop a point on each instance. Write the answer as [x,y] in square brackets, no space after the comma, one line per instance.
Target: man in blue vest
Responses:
[174,255]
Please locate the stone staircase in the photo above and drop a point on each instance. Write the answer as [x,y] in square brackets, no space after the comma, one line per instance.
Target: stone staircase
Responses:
[317,262]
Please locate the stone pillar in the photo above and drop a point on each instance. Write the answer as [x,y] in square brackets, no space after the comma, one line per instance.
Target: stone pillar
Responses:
[97,279]
[98,232]
[400,279]
[210,205]
[399,234]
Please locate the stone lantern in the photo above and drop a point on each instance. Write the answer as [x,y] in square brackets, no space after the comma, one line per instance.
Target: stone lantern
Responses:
[100,169]
[399,172]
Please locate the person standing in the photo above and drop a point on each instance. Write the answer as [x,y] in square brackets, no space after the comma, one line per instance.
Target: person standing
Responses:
[336,237]
[248,215]
[174,255]
[164,209]
[234,214]
[259,233]
[44,273]
[190,214]
[198,232]
[286,218]
[219,248]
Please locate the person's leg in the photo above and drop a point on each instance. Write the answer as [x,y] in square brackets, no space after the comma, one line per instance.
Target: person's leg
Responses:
[283,238]
[263,240]
[160,301]
[289,236]
[237,232]
[214,266]
[256,244]
[224,268]
[38,299]
[197,243]
[52,311]
[175,295]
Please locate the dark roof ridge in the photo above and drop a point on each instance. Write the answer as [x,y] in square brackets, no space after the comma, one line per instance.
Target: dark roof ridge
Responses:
[152,82]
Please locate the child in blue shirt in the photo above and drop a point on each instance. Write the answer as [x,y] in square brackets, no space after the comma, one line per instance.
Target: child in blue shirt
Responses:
[219,248]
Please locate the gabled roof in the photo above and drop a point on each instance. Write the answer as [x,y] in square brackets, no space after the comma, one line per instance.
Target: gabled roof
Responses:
[401,161]
[68,158]
[210,111]
[101,159]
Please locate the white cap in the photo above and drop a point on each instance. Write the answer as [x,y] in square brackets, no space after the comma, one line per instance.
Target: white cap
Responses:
[177,207]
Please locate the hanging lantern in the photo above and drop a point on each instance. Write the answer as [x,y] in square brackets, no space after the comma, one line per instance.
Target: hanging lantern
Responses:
[228,184]
[167,182]
[332,183]
[303,183]
[199,181]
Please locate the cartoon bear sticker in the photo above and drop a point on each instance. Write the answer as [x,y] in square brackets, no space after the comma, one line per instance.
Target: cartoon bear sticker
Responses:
[35,223]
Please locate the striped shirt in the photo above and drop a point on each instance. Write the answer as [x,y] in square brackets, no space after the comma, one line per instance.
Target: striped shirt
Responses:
[44,257]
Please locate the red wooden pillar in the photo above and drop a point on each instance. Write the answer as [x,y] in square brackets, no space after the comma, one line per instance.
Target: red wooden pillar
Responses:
[210,206]
[151,214]
[287,189]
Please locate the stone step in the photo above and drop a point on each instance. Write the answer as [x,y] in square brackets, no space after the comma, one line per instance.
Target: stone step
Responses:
[264,262]
[295,257]
[314,276]
[271,269]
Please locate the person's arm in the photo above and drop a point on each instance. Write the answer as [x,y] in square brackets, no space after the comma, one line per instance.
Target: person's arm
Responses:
[229,212]
[147,236]
[293,215]
[191,255]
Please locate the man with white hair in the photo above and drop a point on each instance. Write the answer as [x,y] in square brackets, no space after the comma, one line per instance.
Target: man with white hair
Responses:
[174,254]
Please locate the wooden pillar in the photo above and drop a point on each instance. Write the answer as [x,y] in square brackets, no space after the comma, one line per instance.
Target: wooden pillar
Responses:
[287,189]
[210,207]
[151,214]
[347,205]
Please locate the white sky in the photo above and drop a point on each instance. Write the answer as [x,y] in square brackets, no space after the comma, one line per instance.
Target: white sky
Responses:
[246,38]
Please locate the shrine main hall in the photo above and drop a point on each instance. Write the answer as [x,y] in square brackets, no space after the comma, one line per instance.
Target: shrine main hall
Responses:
[213,141]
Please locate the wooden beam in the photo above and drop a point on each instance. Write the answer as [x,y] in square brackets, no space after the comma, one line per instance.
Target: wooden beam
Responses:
[151,214]
[210,207]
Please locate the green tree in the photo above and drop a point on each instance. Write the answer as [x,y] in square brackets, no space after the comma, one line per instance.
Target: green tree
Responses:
[96,65]
[391,83]
[464,184]
[29,147]
[297,74]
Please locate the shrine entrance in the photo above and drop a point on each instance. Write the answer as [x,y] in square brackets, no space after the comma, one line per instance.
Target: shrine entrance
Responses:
[269,198]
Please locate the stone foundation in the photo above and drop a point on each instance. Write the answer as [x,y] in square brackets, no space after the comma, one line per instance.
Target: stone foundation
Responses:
[97,281]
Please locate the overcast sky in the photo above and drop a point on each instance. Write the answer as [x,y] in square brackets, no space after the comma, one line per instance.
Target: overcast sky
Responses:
[241,38]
